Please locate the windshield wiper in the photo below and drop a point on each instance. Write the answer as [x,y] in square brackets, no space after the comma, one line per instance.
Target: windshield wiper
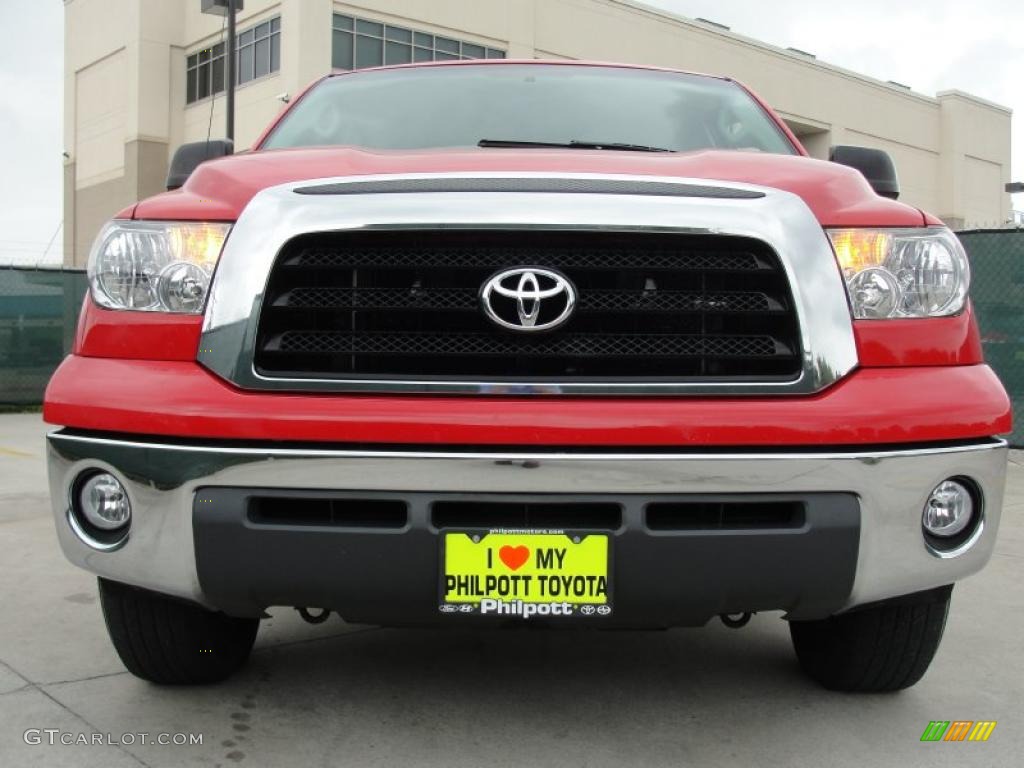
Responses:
[574,144]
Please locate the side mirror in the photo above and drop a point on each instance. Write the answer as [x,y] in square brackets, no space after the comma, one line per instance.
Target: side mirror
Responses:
[188,157]
[876,165]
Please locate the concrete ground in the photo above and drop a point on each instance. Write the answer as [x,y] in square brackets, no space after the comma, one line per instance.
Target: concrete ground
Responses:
[345,695]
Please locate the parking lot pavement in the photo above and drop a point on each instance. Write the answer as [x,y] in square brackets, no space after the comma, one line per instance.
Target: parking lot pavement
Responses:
[347,695]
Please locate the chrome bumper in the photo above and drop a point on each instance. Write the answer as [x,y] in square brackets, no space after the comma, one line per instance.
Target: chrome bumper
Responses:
[892,486]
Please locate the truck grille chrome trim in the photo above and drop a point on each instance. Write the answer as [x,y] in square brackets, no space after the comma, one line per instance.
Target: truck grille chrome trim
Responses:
[538,185]
[781,231]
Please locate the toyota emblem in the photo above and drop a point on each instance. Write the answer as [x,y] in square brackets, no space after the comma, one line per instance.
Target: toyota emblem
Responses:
[528,299]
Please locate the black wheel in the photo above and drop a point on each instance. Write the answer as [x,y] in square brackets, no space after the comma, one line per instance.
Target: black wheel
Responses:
[883,647]
[172,642]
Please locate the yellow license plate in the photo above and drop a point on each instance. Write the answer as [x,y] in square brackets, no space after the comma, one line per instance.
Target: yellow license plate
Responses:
[525,574]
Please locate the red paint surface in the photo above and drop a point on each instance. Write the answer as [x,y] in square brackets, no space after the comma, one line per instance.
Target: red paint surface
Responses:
[220,189]
[931,341]
[137,335]
[872,406]
[147,336]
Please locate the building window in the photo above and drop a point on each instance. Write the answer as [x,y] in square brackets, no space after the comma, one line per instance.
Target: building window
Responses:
[360,43]
[258,54]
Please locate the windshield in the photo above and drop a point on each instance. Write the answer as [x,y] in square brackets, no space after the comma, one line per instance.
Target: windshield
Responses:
[460,106]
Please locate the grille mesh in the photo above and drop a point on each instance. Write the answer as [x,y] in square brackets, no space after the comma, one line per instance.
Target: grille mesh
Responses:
[607,345]
[422,255]
[400,303]
[644,301]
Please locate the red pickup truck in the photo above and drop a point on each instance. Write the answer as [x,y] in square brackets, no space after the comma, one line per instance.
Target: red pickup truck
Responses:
[487,343]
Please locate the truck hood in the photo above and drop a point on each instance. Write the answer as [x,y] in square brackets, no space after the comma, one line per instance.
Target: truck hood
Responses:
[220,189]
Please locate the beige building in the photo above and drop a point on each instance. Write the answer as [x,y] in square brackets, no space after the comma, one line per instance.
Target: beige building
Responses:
[143,76]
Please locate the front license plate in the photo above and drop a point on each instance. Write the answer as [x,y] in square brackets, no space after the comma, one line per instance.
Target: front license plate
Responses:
[525,574]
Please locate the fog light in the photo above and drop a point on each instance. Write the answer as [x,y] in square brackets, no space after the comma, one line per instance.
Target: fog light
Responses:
[949,510]
[104,503]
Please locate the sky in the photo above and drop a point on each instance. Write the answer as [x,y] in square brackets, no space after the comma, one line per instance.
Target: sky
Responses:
[930,45]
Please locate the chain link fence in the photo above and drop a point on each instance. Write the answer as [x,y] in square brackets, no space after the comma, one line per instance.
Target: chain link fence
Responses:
[38,310]
[39,307]
[997,290]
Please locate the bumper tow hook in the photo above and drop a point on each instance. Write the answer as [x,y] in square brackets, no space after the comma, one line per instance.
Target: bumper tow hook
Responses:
[319,618]
[735,620]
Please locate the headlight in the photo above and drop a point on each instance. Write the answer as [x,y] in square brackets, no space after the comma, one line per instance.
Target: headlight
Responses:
[155,266]
[902,272]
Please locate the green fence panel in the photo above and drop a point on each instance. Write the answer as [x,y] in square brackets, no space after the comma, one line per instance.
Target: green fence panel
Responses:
[997,290]
[38,310]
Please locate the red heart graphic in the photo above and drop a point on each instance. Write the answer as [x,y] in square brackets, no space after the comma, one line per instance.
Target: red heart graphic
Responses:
[514,557]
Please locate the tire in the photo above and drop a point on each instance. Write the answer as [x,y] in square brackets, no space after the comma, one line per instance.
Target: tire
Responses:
[878,648]
[171,642]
